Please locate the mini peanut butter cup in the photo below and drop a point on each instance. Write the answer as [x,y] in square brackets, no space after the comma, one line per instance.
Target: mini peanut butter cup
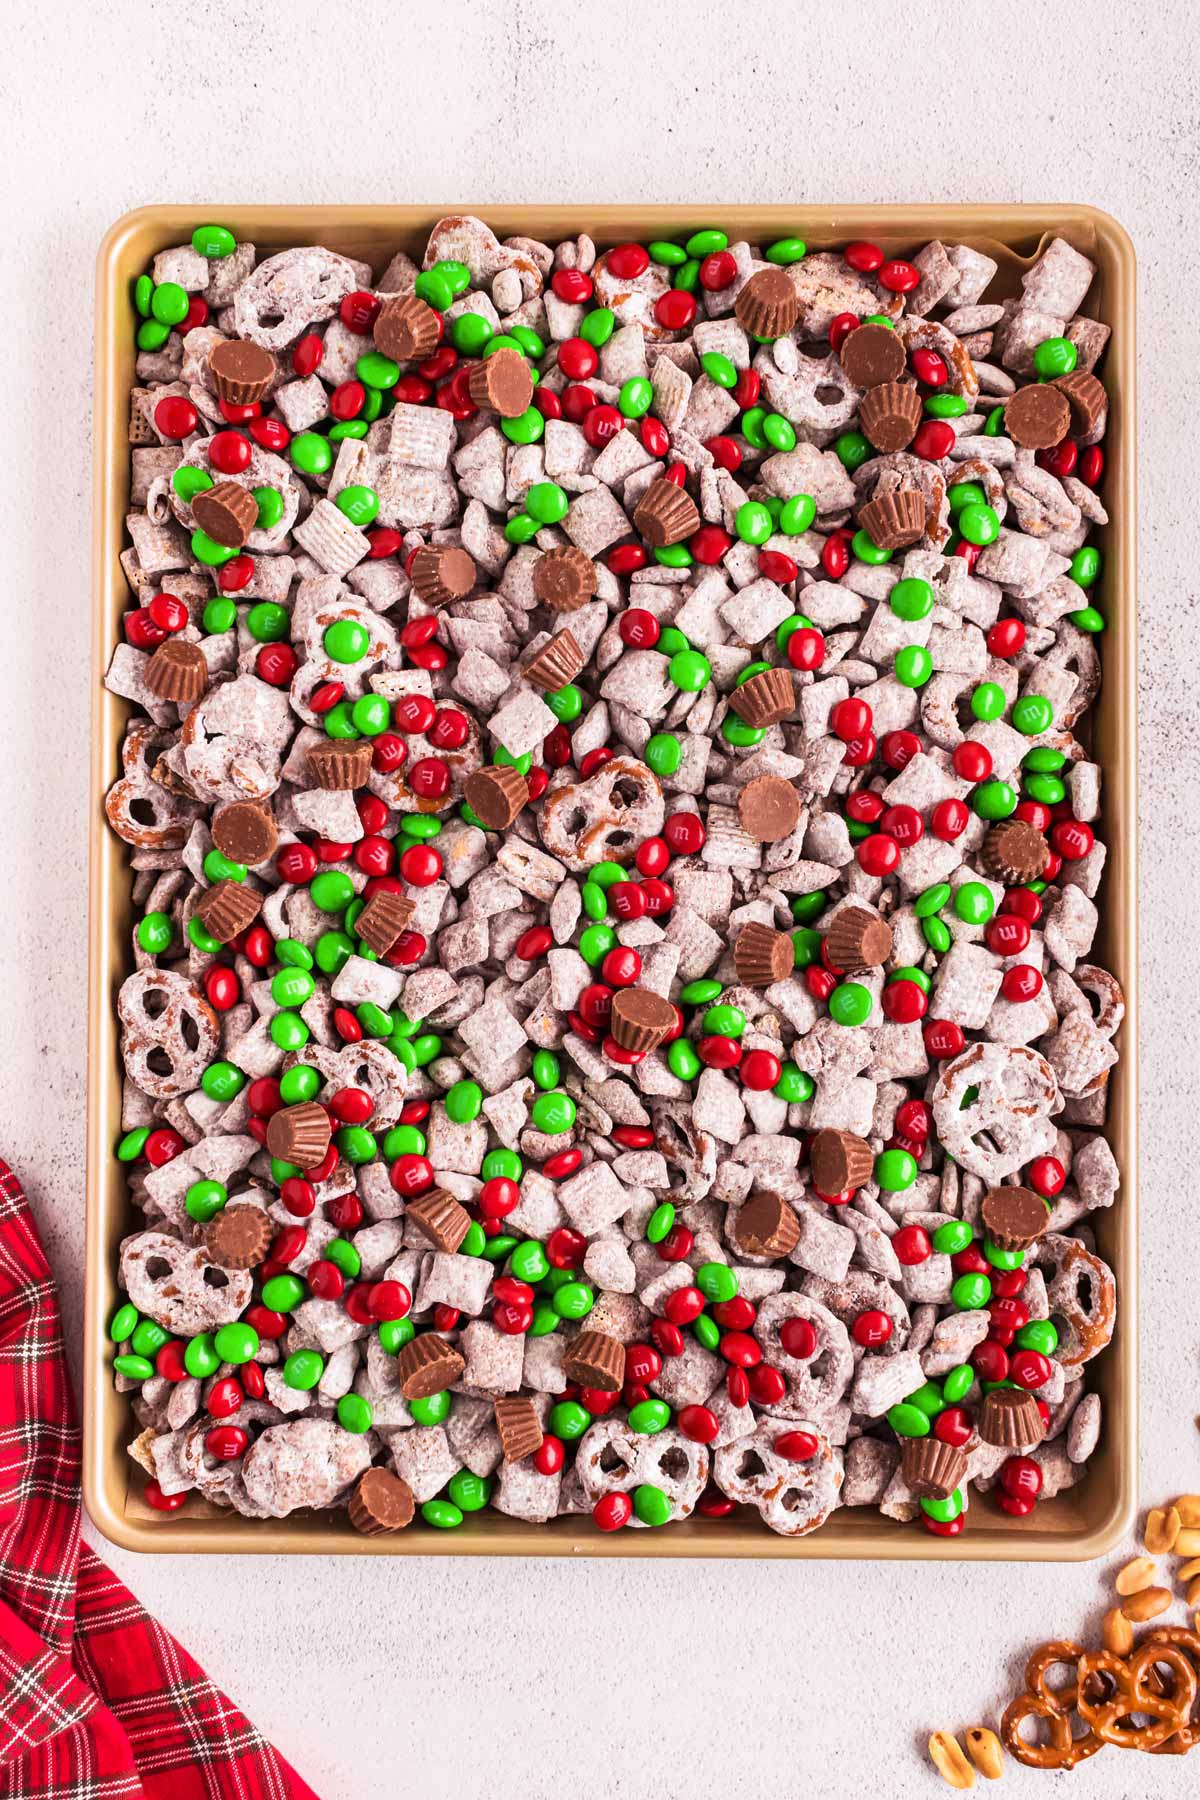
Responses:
[640,1019]
[564,579]
[762,956]
[1038,416]
[299,1134]
[871,355]
[239,1237]
[227,512]
[1014,1217]
[1010,1419]
[442,1219]
[502,382]
[556,664]
[858,939]
[932,1469]
[666,514]
[768,305]
[765,699]
[227,908]
[381,1502]
[383,919]
[245,831]
[496,795]
[1014,851]
[889,415]
[428,1365]
[177,671]
[242,372]
[893,521]
[768,808]
[595,1360]
[840,1161]
[518,1427]
[338,765]
[1086,397]
[767,1226]
[406,329]
[442,574]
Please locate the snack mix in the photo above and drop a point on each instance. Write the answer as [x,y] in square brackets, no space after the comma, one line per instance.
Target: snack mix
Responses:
[611,1029]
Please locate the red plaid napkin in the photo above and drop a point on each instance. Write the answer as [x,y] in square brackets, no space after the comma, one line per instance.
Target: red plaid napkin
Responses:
[97,1701]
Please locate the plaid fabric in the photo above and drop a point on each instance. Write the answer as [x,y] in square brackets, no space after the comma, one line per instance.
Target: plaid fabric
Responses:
[97,1701]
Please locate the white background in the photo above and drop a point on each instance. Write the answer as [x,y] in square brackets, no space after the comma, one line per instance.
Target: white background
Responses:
[465,1678]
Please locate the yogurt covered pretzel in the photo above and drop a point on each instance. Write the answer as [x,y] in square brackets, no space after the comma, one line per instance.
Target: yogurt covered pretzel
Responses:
[616,865]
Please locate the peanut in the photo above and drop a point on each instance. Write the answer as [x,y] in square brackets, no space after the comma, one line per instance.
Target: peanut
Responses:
[949,1761]
[1188,1569]
[1117,1632]
[983,1747]
[1192,1595]
[1187,1542]
[1162,1529]
[1135,1575]
[1147,1603]
[1188,1508]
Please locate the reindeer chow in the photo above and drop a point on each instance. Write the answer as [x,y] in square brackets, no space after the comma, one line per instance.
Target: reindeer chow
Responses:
[610,1027]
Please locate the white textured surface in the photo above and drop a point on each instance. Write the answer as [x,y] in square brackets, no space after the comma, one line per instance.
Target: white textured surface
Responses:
[432,1678]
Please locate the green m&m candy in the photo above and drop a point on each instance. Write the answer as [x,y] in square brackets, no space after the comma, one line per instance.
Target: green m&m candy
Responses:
[1032,714]
[988,700]
[958,1383]
[553,1113]
[753,522]
[850,1003]
[718,368]
[432,1409]
[346,641]
[895,1170]
[974,903]
[794,1085]
[660,1222]
[717,1282]
[546,502]
[569,1420]
[359,504]
[907,1420]
[204,1200]
[994,800]
[354,1414]
[651,1505]
[470,1493]
[1054,356]
[155,933]
[970,1292]
[649,1416]
[463,1102]
[236,1342]
[682,1060]
[913,666]
[123,1322]
[443,1515]
[978,524]
[663,752]
[912,599]
[797,514]
[303,1369]
[853,450]
[213,241]
[200,1357]
[310,453]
